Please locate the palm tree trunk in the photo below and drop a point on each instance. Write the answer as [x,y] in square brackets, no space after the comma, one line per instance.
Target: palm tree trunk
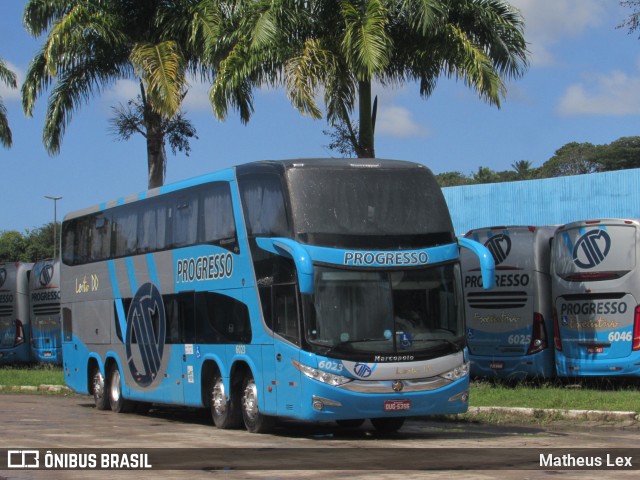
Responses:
[366,141]
[156,156]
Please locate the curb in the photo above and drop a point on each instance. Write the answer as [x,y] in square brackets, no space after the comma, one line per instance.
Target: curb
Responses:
[33,389]
[564,414]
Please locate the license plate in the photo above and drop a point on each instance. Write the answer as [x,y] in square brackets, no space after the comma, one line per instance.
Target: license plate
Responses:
[47,354]
[595,349]
[397,405]
[496,365]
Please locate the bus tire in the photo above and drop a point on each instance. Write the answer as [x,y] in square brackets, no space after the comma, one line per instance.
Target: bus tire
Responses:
[100,397]
[224,408]
[254,421]
[388,425]
[119,404]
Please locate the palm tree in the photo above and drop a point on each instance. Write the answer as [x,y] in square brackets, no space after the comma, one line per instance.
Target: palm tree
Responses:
[343,46]
[9,79]
[522,169]
[89,45]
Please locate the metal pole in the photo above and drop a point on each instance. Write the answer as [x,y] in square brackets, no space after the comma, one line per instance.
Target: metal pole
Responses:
[55,224]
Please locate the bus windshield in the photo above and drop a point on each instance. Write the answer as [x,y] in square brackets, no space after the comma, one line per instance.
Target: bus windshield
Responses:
[332,207]
[412,311]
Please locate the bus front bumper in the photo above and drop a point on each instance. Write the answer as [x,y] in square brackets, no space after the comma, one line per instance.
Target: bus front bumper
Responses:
[322,402]
[578,367]
[516,368]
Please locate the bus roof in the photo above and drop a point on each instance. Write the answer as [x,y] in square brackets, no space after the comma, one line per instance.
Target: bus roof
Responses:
[600,221]
[228,174]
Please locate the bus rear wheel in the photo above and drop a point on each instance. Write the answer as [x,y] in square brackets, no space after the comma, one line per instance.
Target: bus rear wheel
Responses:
[224,408]
[118,403]
[100,397]
[387,425]
[254,421]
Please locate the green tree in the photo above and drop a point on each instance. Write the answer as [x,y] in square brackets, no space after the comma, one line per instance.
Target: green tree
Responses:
[9,79]
[523,170]
[452,179]
[12,246]
[572,159]
[129,120]
[341,47]
[89,45]
[39,243]
[633,21]
[619,155]
[485,175]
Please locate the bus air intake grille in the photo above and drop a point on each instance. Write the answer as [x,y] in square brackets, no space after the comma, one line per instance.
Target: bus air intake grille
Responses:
[47,309]
[496,300]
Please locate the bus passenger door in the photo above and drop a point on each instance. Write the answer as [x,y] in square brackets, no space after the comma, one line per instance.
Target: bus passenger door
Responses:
[286,327]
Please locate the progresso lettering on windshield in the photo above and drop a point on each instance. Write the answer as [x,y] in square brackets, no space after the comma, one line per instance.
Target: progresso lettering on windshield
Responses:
[386,258]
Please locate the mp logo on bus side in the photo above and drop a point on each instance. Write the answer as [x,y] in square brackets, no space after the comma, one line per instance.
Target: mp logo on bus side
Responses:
[499,246]
[146,322]
[3,276]
[46,275]
[591,248]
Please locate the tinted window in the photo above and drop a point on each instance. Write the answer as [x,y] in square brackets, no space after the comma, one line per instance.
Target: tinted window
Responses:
[264,206]
[197,215]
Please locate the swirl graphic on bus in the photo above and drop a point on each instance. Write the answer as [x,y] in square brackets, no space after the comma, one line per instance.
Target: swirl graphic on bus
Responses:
[146,332]
[591,248]
[499,246]
[46,275]
[3,276]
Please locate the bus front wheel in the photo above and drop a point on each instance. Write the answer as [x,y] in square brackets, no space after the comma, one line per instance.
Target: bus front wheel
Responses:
[224,408]
[118,403]
[100,397]
[254,421]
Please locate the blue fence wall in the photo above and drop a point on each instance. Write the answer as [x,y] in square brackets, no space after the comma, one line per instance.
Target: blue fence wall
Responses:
[543,202]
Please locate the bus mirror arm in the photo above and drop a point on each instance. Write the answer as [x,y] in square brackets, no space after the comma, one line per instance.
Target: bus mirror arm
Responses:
[487,264]
[292,249]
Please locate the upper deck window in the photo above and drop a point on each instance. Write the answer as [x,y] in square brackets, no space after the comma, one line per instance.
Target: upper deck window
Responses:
[264,206]
[367,202]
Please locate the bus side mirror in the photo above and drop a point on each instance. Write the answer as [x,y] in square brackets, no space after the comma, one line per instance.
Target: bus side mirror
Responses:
[487,264]
[292,249]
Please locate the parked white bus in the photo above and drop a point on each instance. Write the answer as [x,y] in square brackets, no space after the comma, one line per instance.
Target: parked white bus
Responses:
[596,292]
[509,327]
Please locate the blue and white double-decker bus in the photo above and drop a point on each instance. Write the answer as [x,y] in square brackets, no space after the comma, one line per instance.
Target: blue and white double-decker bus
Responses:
[315,289]
[510,327]
[15,331]
[596,295]
[44,296]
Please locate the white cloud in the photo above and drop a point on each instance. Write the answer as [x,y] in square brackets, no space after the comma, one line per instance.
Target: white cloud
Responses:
[615,93]
[398,122]
[12,94]
[197,98]
[123,91]
[548,22]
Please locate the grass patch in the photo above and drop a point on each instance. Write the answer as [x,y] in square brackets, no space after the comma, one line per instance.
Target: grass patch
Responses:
[583,394]
[31,376]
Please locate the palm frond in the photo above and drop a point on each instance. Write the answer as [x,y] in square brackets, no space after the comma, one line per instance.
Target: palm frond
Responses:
[6,137]
[366,44]
[303,75]
[39,15]
[7,76]
[161,66]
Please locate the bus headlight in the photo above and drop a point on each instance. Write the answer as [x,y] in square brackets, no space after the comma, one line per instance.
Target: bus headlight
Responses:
[457,373]
[320,375]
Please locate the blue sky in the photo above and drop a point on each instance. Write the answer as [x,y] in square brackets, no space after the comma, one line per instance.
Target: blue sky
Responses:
[583,85]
